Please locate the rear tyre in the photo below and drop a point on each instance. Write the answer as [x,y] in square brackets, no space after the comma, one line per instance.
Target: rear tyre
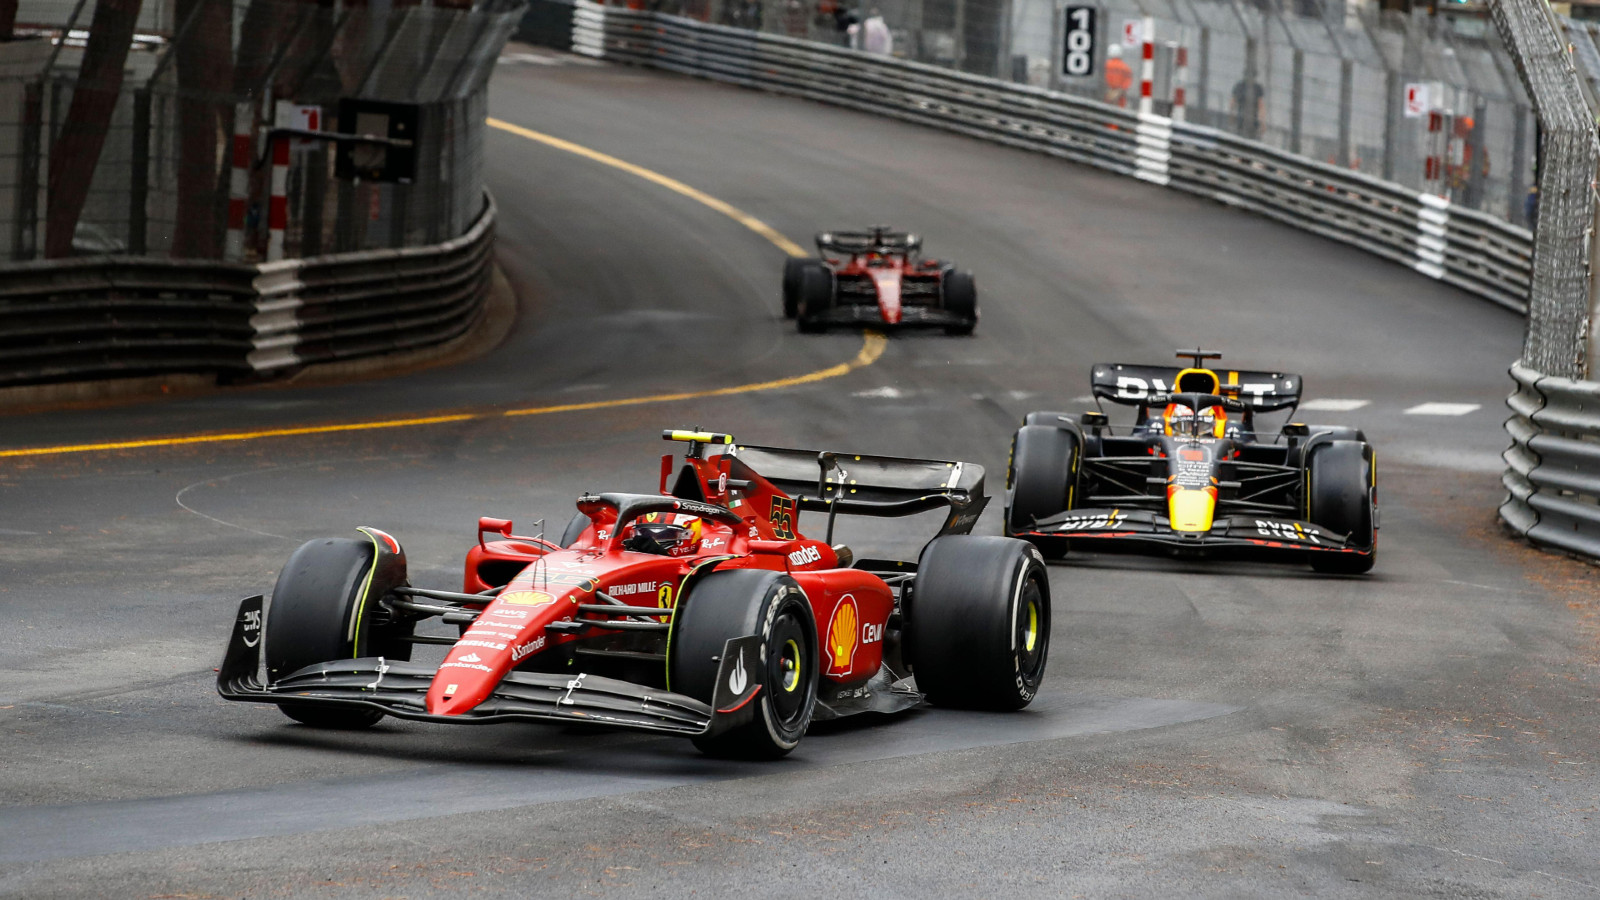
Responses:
[1343,494]
[978,629]
[321,610]
[1040,480]
[733,604]
[815,299]
[793,270]
[961,299]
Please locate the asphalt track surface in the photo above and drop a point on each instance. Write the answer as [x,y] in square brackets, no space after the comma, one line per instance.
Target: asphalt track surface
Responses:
[1205,730]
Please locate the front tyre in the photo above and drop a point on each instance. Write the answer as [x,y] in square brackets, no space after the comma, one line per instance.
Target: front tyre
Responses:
[732,604]
[1343,499]
[961,300]
[1041,480]
[815,299]
[978,627]
[324,608]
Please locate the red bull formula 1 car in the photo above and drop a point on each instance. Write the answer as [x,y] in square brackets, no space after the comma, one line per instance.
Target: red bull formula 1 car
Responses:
[877,277]
[700,611]
[1192,476]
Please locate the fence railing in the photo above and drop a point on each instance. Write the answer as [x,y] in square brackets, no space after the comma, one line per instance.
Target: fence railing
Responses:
[1477,252]
[111,317]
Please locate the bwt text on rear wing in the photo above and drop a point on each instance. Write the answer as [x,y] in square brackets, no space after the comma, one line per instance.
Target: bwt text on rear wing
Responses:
[1134,385]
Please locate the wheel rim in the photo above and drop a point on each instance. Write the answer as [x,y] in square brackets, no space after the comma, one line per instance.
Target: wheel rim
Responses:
[789,661]
[787,668]
[1033,631]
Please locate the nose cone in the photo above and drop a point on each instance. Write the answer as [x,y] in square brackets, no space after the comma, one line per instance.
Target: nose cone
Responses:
[466,678]
[1191,509]
[887,281]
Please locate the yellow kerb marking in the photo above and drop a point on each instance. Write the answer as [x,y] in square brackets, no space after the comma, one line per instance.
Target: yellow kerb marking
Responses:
[872,343]
[671,184]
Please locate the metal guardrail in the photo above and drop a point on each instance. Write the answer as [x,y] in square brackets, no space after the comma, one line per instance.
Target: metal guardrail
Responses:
[114,317]
[1552,473]
[1468,249]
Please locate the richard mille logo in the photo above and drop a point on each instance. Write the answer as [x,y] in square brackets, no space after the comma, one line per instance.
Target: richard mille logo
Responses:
[737,679]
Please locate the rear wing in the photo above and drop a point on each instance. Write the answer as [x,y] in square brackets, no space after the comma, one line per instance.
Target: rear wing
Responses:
[867,242]
[857,484]
[1134,385]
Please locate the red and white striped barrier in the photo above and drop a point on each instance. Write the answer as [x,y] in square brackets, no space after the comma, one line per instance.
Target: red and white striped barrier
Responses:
[1147,71]
[1180,82]
[278,205]
[239,181]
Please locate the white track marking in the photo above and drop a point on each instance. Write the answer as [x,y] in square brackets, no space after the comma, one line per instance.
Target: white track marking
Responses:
[1441,409]
[888,392]
[1332,404]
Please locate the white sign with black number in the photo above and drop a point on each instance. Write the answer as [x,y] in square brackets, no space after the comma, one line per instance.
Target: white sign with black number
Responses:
[1077,50]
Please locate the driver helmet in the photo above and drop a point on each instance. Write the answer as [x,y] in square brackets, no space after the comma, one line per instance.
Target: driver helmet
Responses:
[1180,419]
[664,534]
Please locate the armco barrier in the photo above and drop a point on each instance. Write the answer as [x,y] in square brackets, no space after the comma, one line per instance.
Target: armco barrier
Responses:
[1553,489]
[114,317]
[1469,249]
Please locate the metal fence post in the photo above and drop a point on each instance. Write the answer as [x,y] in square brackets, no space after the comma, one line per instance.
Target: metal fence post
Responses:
[139,174]
[1346,108]
[1391,121]
[1519,164]
[24,237]
[1297,100]
[1202,85]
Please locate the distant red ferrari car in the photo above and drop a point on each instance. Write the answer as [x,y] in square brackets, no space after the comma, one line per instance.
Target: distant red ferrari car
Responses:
[700,611]
[877,277]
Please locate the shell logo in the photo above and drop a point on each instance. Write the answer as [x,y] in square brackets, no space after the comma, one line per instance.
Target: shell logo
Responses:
[842,639]
[527,598]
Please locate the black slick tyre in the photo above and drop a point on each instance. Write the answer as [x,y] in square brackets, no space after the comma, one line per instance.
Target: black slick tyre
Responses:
[961,300]
[793,271]
[322,610]
[740,602]
[815,299]
[1041,479]
[1342,498]
[978,629]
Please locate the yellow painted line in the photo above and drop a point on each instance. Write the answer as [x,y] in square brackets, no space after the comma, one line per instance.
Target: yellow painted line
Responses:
[872,344]
[671,184]
[240,435]
[871,348]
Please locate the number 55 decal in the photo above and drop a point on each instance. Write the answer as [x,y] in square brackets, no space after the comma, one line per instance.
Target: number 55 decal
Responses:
[782,518]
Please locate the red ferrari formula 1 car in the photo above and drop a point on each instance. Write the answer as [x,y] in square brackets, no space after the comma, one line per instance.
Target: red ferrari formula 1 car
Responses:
[1193,476]
[877,277]
[700,611]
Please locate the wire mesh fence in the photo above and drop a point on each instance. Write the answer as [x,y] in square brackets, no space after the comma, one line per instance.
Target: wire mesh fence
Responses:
[1560,297]
[1428,102]
[199,134]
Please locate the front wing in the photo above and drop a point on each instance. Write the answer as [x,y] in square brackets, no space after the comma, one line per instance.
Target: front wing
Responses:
[846,313]
[1143,529]
[400,688]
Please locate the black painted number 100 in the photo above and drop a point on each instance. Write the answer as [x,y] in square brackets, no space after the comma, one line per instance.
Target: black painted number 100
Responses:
[1077,53]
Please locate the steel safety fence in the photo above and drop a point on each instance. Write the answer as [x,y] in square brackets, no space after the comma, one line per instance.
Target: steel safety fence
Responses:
[1432,103]
[1479,252]
[174,145]
[96,318]
[1552,475]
